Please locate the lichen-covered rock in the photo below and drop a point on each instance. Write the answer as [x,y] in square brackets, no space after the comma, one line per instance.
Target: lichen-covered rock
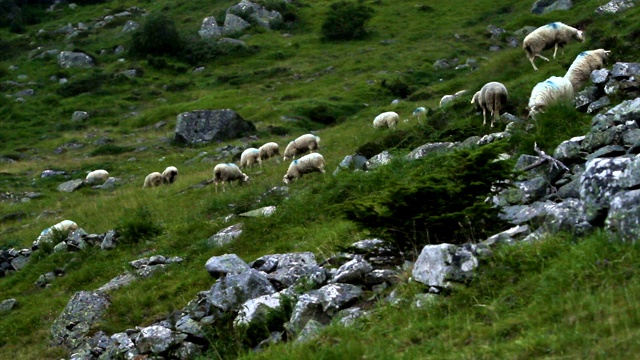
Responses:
[71,185]
[602,179]
[440,265]
[225,264]
[205,126]
[230,292]
[623,220]
[69,59]
[73,325]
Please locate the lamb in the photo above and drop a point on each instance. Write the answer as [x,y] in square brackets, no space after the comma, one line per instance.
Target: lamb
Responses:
[152,180]
[492,96]
[269,150]
[555,34]
[304,143]
[97,176]
[548,92]
[249,157]
[227,173]
[581,68]
[169,175]
[306,164]
[386,119]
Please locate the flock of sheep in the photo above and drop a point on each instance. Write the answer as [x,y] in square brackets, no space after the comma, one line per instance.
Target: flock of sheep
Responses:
[491,98]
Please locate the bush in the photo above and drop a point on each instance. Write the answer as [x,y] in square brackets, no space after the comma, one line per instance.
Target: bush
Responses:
[157,36]
[138,227]
[110,149]
[346,20]
[440,204]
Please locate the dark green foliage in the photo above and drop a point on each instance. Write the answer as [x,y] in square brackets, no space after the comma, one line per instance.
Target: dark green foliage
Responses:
[88,84]
[110,149]
[447,205]
[138,227]
[559,122]
[157,36]
[397,88]
[346,20]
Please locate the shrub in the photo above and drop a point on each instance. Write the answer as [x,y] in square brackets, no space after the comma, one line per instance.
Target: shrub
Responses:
[110,149]
[397,88]
[157,36]
[346,20]
[137,227]
[443,204]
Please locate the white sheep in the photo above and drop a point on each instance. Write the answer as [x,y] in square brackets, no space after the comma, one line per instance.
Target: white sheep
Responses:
[249,157]
[305,165]
[419,112]
[269,150]
[154,179]
[448,99]
[492,96]
[554,35]
[97,176]
[304,143]
[169,175]
[223,173]
[386,119]
[48,233]
[548,92]
[581,68]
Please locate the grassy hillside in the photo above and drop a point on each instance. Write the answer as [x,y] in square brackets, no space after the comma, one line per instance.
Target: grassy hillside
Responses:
[581,291]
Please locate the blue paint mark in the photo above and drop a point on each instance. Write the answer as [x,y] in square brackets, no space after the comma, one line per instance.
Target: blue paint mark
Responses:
[554,25]
[295,161]
[583,53]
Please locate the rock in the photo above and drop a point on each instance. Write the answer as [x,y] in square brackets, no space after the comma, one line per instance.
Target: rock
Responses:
[233,25]
[7,305]
[210,28]
[231,291]
[225,235]
[255,311]
[157,339]
[602,179]
[71,185]
[69,59]
[351,162]
[225,264]
[264,211]
[376,161]
[79,116]
[130,26]
[205,126]
[430,148]
[74,324]
[615,6]
[598,105]
[440,265]
[353,271]
[600,76]
[547,6]
[623,221]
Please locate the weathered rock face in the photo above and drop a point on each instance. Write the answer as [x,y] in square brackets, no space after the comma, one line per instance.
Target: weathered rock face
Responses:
[72,327]
[69,59]
[205,126]
[546,6]
[441,265]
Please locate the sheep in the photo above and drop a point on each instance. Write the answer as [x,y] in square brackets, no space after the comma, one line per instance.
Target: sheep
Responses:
[555,34]
[269,150]
[448,99]
[386,119]
[249,157]
[304,143]
[306,164]
[169,175]
[227,173]
[418,112]
[581,68]
[48,233]
[492,96]
[152,180]
[96,176]
[547,92]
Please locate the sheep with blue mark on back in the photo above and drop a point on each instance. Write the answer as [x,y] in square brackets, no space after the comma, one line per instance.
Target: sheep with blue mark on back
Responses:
[547,92]
[555,35]
[226,173]
[249,157]
[307,164]
[584,64]
[302,144]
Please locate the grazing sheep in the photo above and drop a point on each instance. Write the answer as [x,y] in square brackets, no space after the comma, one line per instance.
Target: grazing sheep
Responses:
[48,233]
[304,143]
[555,35]
[548,92]
[581,68]
[492,96]
[306,164]
[448,99]
[250,157]
[97,176]
[227,173]
[169,175]
[386,119]
[152,180]
[269,150]
[419,112]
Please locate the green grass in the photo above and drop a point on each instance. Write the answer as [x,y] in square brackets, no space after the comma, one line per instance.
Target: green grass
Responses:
[553,299]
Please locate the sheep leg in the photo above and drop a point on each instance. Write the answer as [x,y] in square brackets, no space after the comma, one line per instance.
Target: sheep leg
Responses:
[544,58]
[534,65]
[484,116]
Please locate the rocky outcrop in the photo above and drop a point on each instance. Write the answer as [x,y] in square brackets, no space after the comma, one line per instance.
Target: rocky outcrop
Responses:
[205,126]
